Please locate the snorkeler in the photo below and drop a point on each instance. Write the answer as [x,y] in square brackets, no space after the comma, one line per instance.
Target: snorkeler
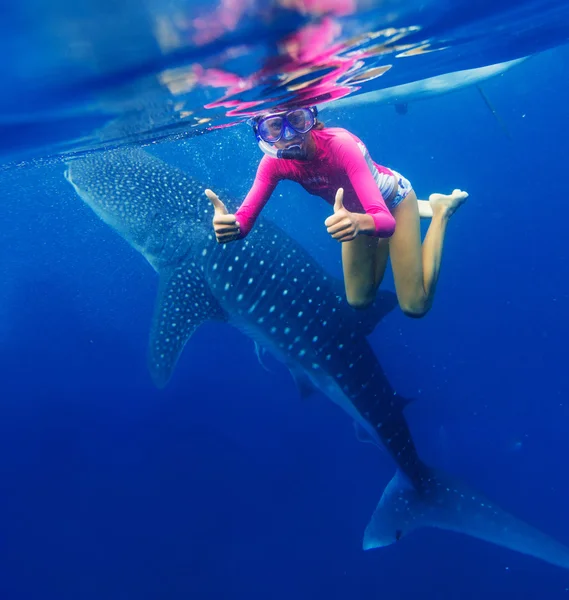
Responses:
[376,212]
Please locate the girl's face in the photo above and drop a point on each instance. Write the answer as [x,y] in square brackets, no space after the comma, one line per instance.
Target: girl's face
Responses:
[292,128]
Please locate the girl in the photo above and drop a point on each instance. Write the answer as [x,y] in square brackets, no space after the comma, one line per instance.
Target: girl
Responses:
[376,211]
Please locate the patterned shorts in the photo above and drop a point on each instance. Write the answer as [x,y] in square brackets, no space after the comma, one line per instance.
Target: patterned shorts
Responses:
[402,191]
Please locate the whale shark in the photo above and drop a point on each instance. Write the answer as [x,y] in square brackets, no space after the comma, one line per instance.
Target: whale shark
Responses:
[270,288]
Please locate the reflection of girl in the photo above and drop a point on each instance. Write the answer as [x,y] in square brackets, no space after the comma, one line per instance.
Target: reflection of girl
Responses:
[376,211]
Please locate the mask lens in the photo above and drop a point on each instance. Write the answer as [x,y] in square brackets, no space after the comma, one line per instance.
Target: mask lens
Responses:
[271,129]
[302,119]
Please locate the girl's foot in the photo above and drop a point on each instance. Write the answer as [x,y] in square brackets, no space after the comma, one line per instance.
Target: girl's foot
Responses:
[446,205]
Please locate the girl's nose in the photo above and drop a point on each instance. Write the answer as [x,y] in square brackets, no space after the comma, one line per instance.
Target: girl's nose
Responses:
[288,133]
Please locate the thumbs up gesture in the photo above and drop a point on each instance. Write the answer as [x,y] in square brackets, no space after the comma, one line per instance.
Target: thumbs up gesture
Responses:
[343,225]
[225,225]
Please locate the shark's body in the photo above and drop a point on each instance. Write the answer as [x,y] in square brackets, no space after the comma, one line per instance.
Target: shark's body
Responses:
[275,292]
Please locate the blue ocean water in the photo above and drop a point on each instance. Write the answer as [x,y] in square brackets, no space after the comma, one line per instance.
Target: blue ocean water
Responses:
[225,484]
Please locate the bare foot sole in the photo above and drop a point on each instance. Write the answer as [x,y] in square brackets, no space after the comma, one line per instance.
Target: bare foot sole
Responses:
[448,204]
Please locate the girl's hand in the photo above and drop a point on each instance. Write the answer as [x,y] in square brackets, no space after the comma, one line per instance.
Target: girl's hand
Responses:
[343,225]
[225,225]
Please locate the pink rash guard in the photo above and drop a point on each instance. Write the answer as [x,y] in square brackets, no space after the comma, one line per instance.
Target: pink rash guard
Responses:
[341,161]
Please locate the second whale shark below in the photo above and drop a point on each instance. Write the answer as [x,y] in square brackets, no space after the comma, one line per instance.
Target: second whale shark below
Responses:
[424,88]
[271,289]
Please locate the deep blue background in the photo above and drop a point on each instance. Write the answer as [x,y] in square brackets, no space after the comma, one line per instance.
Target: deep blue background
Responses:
[226,484]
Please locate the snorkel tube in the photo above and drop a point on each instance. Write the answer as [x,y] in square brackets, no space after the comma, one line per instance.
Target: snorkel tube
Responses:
[292,153]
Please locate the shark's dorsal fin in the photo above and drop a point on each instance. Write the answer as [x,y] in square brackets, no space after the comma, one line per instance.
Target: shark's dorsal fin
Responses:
[183,303]
[365,320]
[368,318]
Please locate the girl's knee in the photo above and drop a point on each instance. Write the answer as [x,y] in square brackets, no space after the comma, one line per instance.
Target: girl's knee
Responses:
[360,303]
[415,309]
[361,299]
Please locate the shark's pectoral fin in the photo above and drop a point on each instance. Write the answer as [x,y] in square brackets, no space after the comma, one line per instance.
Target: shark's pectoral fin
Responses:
[183,303]
[446,503]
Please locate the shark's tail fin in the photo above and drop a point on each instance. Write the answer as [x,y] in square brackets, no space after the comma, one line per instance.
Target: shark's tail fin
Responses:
[447,504]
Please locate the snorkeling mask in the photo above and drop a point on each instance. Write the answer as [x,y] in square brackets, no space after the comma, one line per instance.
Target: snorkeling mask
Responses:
[274,127]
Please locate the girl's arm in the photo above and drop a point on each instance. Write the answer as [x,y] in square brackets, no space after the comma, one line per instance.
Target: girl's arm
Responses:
[359,171]
[265,182]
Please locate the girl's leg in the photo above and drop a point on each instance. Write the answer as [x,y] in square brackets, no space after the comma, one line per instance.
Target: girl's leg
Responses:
[363,261]
[381,256]
[415,267]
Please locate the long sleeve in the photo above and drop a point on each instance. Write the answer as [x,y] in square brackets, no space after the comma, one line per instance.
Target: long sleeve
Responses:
[265,182]
[360,170]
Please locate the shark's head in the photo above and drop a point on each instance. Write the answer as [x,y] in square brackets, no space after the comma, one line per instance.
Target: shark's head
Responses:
[162,213]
